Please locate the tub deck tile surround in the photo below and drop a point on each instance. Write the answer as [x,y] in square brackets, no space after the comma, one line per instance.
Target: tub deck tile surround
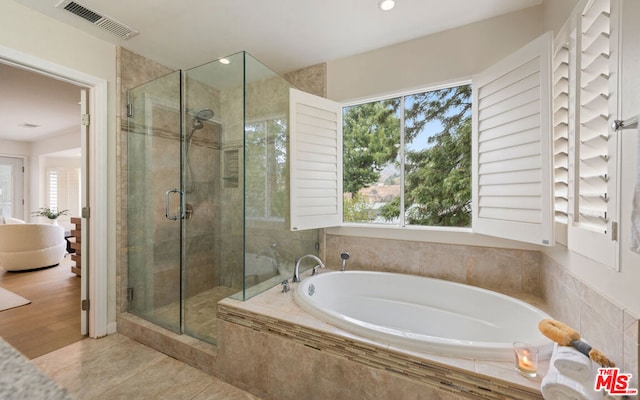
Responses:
[275,316]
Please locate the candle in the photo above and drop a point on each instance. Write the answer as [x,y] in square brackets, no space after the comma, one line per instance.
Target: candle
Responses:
[526,359]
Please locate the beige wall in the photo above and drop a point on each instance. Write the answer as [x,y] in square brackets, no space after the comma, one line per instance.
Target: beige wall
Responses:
[554,13]
[451,55]
[32,34]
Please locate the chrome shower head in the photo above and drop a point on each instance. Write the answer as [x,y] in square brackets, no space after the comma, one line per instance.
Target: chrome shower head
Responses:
[202,115]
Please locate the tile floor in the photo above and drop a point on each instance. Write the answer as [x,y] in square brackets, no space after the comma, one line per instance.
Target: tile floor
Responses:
[116,367]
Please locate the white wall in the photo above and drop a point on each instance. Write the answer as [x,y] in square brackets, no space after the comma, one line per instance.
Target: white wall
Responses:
[32,34]
[12,148]
[461,52]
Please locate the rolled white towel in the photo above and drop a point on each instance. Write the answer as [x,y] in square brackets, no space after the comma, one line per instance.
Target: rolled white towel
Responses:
[556,386]
[573,364]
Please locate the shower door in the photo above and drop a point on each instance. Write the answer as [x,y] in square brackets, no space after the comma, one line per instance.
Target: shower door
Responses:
[155,201]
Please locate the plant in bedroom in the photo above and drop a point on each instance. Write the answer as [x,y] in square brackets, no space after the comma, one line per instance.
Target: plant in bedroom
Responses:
[49,213]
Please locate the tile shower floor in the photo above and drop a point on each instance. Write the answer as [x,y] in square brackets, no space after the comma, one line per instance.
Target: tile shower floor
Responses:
[116,367]
[200,312]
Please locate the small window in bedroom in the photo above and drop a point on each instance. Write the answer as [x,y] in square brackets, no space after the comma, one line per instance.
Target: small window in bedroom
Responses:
[407,159]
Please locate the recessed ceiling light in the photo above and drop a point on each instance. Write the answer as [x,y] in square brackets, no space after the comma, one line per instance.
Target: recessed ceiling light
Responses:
[224,61]
[386,5]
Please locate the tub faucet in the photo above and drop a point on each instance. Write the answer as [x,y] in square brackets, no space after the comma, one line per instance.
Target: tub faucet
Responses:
[296,274]
[345,256]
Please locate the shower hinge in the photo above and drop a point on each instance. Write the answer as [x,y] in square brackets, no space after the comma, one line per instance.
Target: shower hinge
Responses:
[130,294]
[129,110]
[84,305]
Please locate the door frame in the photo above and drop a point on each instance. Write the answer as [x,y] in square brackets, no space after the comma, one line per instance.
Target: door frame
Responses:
[96,273]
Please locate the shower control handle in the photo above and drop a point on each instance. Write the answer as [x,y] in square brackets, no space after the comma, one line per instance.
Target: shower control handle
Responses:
[166,205]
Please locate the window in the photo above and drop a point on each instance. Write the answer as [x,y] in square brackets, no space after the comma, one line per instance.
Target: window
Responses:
[439,165]
[11,183]
[266,162]
[64,190]
[407,159]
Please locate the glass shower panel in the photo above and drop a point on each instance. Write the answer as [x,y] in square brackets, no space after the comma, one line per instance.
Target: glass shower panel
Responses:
[154,201]
[208,191]
[212,261]
[270,246]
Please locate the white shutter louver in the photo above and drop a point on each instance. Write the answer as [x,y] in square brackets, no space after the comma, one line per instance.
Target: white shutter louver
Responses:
[52,194]
[512,146]
[561,132]
[64,190]
[315,161]
[592,148]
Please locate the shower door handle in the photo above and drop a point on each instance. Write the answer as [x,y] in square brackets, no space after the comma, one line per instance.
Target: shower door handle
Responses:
[166,205]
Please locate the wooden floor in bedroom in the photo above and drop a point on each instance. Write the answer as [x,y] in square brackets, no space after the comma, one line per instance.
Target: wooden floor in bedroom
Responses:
[52,319]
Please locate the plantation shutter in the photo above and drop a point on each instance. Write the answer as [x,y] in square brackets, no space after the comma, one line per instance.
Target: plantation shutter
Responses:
[593,127]
[52,188]
[561,131]
[512,146]
[593,197]
[315,162]
[63,190]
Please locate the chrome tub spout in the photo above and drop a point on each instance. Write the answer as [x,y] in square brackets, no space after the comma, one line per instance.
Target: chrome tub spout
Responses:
[296,271]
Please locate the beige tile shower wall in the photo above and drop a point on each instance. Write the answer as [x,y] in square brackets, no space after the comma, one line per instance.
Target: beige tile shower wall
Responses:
[202,186]
[503,270]
[606,326]
[131,70]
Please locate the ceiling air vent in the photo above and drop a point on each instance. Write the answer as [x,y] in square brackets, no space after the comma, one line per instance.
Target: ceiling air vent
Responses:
[104,22]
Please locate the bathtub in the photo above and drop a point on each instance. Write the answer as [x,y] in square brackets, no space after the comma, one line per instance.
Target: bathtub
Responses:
[423,314]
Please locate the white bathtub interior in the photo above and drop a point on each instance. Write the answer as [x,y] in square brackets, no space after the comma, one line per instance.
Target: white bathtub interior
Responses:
[424,314]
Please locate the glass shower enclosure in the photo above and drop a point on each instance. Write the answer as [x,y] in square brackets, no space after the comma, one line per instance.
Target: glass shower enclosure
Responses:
[208,192]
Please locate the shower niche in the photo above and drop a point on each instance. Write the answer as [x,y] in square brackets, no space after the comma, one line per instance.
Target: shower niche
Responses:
[207,192]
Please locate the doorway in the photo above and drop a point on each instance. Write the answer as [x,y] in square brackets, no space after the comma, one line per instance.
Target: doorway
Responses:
[95,228]
[42,143]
